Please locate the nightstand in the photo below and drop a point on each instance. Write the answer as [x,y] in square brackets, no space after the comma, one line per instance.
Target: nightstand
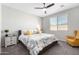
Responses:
[10,40]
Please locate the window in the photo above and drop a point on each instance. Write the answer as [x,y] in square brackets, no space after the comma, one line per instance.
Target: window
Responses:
[53,23]
[59,23]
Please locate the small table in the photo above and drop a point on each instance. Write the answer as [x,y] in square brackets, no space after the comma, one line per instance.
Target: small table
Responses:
[10,40]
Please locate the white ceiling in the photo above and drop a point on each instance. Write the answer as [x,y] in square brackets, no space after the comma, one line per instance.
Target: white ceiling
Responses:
[29,8]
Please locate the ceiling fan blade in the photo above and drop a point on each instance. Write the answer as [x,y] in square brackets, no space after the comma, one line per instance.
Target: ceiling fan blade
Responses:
[50,5]
[38,7]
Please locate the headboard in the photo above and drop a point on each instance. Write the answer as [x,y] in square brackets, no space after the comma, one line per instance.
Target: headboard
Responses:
[19,33]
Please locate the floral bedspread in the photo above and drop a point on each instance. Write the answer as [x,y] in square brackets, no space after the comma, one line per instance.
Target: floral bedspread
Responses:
[36,42]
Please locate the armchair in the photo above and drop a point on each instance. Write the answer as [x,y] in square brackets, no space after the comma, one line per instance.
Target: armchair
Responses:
[73,40]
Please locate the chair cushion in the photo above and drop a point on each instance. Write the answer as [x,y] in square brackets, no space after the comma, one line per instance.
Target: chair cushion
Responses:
[77,35]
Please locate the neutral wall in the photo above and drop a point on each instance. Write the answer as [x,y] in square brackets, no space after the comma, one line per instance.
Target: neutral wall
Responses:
[73,23]
[13,19]
[0,28]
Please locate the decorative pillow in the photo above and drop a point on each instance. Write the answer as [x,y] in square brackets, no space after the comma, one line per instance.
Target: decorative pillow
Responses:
[27,32]
[24,32]
[39,31]
[34,31]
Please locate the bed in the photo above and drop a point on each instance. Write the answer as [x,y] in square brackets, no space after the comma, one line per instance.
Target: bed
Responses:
[37,42]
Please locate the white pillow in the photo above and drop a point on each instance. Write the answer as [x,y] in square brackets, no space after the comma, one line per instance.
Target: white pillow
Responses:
[34,31]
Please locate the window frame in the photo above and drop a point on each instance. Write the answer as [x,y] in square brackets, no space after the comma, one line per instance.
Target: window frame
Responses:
[61,24]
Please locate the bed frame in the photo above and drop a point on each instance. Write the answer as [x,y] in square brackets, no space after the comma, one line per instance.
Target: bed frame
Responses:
[44,49]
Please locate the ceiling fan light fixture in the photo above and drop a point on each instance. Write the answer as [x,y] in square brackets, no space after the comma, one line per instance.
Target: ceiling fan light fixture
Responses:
[44,9]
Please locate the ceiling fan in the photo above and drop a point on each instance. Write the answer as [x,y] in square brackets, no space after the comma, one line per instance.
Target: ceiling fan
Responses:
[45,7]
